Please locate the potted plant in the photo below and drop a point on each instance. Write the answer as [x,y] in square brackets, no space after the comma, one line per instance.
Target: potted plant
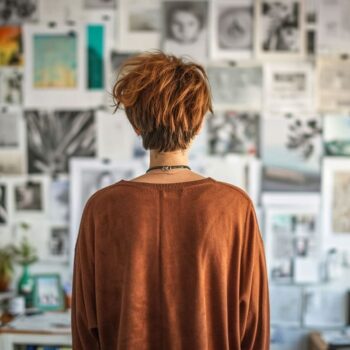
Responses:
[7,255]
[25,255]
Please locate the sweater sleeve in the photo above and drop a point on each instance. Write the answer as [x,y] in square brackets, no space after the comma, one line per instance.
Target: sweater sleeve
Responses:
[83,316]
[254,290]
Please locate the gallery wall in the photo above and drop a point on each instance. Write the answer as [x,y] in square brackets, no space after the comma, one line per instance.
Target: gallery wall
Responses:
[279,73]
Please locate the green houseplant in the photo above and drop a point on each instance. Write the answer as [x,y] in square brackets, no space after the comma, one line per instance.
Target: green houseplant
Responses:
[7,256]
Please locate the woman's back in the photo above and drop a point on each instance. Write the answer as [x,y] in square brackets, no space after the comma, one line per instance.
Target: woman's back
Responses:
[170,266]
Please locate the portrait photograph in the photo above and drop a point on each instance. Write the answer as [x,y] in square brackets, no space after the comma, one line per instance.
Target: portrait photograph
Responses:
[185,28]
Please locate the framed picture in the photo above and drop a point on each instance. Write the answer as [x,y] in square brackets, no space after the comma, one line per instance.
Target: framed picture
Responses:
[11,45]
[11,81]
[54,66]
[279,29]
[238,87]
[232,29]
[289,87]
[48,294]
[292,237]
[185,28]
[291,151]
[336,204]
[229,131]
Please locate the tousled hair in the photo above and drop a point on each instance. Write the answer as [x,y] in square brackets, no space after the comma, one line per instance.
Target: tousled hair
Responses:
[164,97]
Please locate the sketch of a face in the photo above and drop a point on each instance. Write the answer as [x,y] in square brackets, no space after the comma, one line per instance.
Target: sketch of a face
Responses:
[185,26]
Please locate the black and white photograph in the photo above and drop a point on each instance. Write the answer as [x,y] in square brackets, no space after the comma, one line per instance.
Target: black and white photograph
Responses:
[185,28]
[279,29]
[18,11]
[100,4]
[55,136]
[233,132]
[237,87]
[59,199]
[232,29]
[58,244]
[3,204]
[11,86]
[291,150]
[29,196]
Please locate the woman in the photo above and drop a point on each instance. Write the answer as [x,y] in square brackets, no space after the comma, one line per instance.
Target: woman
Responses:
[171,259]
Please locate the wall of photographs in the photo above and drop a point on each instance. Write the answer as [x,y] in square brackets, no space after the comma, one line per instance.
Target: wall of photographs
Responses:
[280,77]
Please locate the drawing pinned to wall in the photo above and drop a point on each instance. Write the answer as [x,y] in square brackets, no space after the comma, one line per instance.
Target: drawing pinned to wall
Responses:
[28,196]
[288,87]
[63,134]
[279,31]
[291,152]
[333,88]
[55,61]
[11,86]
[233,132]
[186,28]
[237,87]
[95,56]
[11,50]
[232,29]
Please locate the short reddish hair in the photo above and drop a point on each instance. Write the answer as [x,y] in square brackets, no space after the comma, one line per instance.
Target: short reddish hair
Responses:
[164,97]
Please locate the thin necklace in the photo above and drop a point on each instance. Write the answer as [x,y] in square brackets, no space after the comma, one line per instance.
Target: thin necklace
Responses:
[168,167]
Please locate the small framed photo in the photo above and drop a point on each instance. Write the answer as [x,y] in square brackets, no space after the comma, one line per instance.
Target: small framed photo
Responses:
[48,294]
[279,29]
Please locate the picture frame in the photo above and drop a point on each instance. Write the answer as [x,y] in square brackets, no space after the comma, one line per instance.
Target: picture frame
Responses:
[279,46]
[43,86]
[222,14]
[48,292]
[292,237]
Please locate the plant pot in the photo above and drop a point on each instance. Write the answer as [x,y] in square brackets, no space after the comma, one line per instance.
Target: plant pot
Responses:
[5,283]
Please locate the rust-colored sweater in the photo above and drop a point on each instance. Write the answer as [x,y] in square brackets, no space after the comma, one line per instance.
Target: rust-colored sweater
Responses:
[177,266]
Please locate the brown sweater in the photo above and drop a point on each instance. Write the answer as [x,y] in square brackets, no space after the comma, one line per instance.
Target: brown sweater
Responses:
[176,266]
